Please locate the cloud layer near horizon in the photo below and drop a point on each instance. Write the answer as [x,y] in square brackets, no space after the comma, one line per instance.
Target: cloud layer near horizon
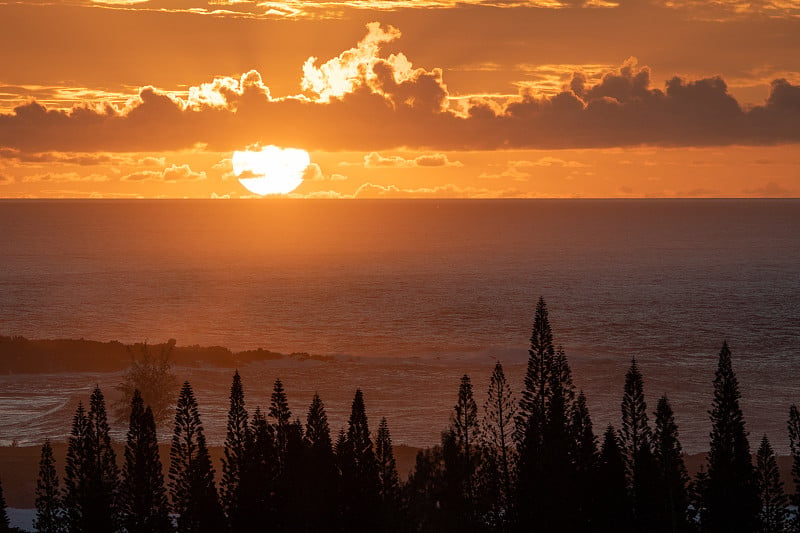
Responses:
[363,100]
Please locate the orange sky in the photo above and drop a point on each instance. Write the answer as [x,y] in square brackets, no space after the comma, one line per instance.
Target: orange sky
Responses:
[684,98]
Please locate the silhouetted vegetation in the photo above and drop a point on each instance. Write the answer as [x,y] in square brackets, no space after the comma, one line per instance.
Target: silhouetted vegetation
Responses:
[143,500]
[49,510]
[534,465]
[151,376]
[731,498]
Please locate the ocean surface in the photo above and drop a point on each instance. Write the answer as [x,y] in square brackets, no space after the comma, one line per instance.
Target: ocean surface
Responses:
[409,295]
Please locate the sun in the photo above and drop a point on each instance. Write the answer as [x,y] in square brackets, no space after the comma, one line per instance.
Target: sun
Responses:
[271,170]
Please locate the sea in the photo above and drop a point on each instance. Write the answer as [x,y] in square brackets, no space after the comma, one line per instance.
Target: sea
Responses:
[408,296]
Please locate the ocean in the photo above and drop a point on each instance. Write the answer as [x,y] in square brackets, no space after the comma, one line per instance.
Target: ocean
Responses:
[409,295]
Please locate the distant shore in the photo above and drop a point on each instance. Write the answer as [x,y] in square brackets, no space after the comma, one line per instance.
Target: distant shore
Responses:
[19,355]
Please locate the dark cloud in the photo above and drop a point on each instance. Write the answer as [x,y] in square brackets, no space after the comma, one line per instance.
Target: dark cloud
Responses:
[381,113]
[86,159]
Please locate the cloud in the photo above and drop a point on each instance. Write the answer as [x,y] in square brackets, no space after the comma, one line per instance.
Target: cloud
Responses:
[83,159]
[376,160]
[372,190]
[153,161]
[364,101]
[64,177]
[171,174]
[326,9]
[5,180]
[770,190]
[514,169]
[548,161]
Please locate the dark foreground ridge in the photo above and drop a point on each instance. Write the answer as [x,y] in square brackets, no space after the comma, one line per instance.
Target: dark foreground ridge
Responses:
[526,462]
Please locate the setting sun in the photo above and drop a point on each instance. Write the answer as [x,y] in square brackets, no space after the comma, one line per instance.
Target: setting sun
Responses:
[271,170]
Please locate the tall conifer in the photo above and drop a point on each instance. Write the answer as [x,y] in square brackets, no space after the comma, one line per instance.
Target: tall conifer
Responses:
[103,503]
[49,512]
[636,442]
[612,510]
[319,473]
[4,522]
[235,459]
[76,474]
[731,500]
[388,479]
[260,477]
[282,416]
[556,500]
[498,430]
[673,477]
[774,502]
[585,457]
[389,487]
[191,475]
[794,449]
[91,473]
[143,503]
[536,394]
[359,468]
[635,433]
[531,422]
[466,429]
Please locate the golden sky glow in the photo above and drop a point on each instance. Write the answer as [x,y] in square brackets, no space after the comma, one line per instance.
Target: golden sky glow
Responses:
[400,99]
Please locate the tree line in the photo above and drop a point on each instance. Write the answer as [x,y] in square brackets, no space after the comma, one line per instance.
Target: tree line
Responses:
[533,464]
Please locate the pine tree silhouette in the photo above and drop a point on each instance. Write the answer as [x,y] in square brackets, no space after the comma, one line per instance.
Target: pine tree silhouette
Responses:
[497,439]
[388,479]
[76,474]
[292,483]
[143,503]
[282,416]
[106,472]
[318,432]
[731,500]
[235,460]
[531,422]
[389,487]
[319,474]
[673,477]
[92,476]
[466,430]
[359,468]
[636,443]
[260,478]
[288,440]
[635,433]
[558,473]
[585,458]
[4,522]
[612,509]
[794,448]
[424,492]
[49,512]
[191,475]
[536,394]
[770,489]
